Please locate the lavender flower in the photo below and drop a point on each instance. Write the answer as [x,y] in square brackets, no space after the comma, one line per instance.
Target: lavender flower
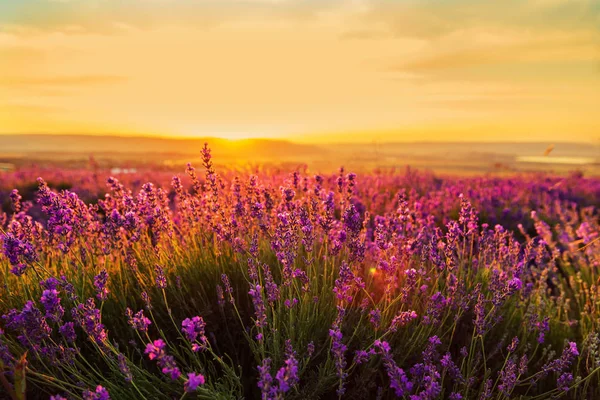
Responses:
[338,348]
[398,379]
[124,368]
[265,382]
[161,280]
[87,317]
[508,378]
[20,253]
[156,351]
[138,320]
[402,319]
[99,394]
[259,306]
[310,349]
[193,329]
[100,281]
[564,381]
[51,302]
[287,376]
[193,381]
[68,331]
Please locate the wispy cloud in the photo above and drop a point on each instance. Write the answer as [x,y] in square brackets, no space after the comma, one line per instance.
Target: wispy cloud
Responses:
[60,81]
[571,49]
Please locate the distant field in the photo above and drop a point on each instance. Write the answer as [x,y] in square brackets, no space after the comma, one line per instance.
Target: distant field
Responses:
[453,158]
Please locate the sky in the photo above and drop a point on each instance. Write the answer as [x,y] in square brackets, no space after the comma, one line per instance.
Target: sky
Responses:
[310,70]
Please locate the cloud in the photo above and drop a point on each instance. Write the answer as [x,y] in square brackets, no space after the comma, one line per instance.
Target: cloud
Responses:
[434,19]
[517,52]
[59,81]
[32,109]
[107,16]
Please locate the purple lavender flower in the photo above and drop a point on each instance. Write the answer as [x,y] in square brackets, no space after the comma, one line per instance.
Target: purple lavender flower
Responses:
[514,285]
[99,394]
[20,253]
[543,328]
[271,288]
[289,304]
[402,319]
[398,379]
[30,323]
[146,300]
[259,306]
[68,331]
[564,381]
[100,281]
[287,376]
[375,318]
[265,381]
[51,303]
[194,330]
[16,198]
[193,381]
[361,357]
[338,348]
[453,370]
[227,286]
[513,345]
[487,390]
[124,368]
[559,365]
[310,349]
[161,280]
[508,378]
[88,317]
[155,350]
[138,320]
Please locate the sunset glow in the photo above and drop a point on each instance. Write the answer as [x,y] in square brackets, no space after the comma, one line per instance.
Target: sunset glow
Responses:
[312,70]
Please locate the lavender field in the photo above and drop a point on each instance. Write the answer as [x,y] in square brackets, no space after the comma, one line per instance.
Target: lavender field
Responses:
[275,283]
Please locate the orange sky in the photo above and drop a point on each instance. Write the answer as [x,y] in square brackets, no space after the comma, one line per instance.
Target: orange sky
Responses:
[324,70]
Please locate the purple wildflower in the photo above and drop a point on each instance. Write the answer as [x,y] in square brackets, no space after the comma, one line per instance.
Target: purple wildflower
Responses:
[338,348]
[51,303]
[194,380]
[68,331]
[265,381]
[99,394]
[194,330]
[124,368]
[310,349]
[259,306]
[138,320]
[155,350]
[100,281]
[161,280]
[287,376]
[564,381]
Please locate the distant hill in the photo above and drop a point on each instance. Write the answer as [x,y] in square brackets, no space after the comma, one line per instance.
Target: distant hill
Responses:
[87,144]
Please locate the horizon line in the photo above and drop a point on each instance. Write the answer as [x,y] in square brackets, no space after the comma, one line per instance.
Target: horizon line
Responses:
[295,139]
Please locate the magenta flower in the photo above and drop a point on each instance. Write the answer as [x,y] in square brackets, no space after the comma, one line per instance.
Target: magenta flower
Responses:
[100,394]
[194,330]
[156,349]
[194,380]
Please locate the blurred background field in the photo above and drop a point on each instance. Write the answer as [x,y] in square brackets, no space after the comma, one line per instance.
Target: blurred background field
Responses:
[123,154]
